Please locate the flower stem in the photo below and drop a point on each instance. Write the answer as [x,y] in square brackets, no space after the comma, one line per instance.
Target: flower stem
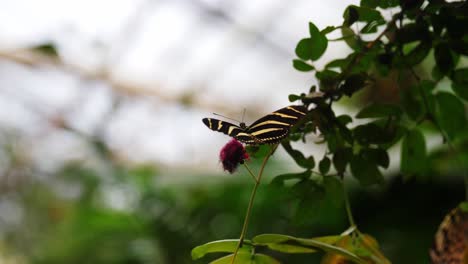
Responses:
[250,172]
[348,206]
[252,198]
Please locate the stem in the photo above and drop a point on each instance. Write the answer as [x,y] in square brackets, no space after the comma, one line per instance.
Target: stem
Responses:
[252,198]
[348,206]
[251,173]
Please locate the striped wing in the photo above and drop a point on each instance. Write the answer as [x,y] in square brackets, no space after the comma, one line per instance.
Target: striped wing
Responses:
[273,127]
[269,129]
[222,126]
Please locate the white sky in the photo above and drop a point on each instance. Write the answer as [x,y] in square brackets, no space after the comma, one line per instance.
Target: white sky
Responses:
[229,55]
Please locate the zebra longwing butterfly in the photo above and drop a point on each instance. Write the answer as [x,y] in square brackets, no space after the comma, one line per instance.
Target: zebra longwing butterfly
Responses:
[269,129]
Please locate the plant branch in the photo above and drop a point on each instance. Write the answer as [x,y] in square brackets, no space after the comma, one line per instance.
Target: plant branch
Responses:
[252,198]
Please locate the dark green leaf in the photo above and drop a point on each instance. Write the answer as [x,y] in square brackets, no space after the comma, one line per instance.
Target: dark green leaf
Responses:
[246,257]
[324,165]
[369,134]
[378,156]
[319,42]
[328,29]
[388,3]
[353,83]
[290,249]
[413,103]
[370,27]
[369,3]
[375,110]
[365,170]
[280,179]
[460,82]
[328,79]
[304,49]
[444,59]
[341,158]
[350,15]
[412,32]
[228,245]
[450,114]
[413,153]
[293,97]
[344,119]
[345,134]
[417,54]
[302,66]
[334,190]
[47,49]
[323,243]
[338,63]
[350,38]
[308,163]
[358,13]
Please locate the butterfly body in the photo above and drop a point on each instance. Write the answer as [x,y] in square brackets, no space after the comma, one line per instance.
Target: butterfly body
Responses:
[269,129]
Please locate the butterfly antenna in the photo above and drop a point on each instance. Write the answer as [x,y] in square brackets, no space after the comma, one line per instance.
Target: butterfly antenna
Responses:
[243,115]
[227,117]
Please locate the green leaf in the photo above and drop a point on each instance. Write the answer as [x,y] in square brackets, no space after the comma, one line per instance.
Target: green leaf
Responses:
[369,134]
[459,79]
[304,49]
[388,3]
[294,97]
[324,165]
[328,79]
[370,27]
[319,42]
[369,3]
[290,249]
[444,59]
[246,258]
[344,119]
[227,245]
[378,156]
[412,103]
[47,49]
[280,179]
[450,114]
[375,110]
[350,38]
[361,13]
[413,153]
[263,259]
[328,29]
[413,32]
[365,170]
[417,54]
[353,83]
[350,15]
[302,66]
[341,158]
[299,158]
[338,63]
[325,244]
[334,190]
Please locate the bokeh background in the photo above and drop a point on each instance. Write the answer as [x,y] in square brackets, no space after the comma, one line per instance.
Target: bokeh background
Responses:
[103,155]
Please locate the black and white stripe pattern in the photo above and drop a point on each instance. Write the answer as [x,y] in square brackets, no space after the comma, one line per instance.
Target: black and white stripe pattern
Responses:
[269,129]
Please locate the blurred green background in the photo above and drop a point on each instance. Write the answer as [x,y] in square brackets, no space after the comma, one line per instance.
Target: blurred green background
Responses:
[104,158]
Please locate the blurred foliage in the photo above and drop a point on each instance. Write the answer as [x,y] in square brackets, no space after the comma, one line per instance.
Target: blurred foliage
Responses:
[398,103]
[410,83]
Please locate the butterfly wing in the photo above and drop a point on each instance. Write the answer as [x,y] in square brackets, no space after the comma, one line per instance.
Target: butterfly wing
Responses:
[222,126]
[273,127]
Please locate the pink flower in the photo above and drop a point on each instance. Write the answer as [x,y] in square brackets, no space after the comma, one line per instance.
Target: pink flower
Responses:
[233,154]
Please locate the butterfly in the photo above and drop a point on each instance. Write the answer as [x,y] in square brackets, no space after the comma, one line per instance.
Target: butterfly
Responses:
[269,129]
